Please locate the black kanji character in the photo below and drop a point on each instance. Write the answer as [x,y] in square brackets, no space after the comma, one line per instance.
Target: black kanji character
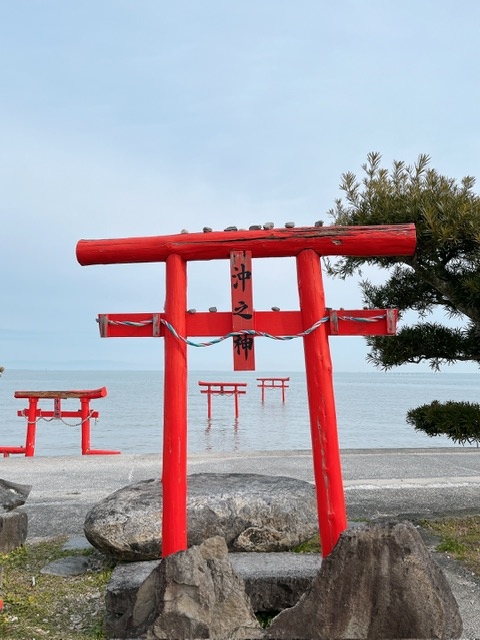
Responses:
[243,343]
[238,311]
[241,276]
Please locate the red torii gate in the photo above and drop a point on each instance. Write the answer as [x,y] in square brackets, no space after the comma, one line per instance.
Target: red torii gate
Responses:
[314,322]
[273,383]
[234,389]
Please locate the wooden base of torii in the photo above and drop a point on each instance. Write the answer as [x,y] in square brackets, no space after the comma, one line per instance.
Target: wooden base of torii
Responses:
[314,323]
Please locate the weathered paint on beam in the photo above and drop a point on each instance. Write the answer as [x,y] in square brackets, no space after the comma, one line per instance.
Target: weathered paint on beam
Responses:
[87,393]
[385,240]
[343,322]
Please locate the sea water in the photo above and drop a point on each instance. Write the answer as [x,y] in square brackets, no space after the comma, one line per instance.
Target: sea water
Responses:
[371,410]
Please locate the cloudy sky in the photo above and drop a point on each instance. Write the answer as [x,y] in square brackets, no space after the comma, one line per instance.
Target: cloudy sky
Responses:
[123,118]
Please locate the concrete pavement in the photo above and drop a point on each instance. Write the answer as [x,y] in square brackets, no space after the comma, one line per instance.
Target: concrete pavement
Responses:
[394,483]
[378,482]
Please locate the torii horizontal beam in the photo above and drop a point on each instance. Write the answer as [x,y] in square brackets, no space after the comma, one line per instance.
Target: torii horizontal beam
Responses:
[344,322]
[385,240]
[86,393]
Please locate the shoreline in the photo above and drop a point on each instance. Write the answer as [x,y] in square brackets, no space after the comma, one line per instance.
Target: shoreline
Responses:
[377,482]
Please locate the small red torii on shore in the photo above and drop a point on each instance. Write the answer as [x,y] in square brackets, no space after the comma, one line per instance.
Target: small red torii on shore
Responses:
[314,322]
[34,413]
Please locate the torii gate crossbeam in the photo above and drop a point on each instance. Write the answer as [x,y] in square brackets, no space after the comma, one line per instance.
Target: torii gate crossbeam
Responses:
[306,245]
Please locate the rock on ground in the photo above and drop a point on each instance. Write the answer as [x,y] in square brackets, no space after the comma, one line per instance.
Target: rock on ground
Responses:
[379,582]
[13,530]
[252,512]
[13,494]
[130,599]
[13,522]
[273,582]
[190,594]
[200,596]
[69,566]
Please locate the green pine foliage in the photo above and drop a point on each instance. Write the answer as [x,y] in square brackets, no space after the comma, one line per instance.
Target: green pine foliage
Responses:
[460,421]
[444,272]
[443,275]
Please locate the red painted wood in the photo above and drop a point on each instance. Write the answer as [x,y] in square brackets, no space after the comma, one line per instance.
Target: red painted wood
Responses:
[271,383]
[321,402]
[222,389]
[277,323]
[243,316]
[85,411]
[31,427]
[174,476]
[42,413]
[33,413]
[86,393]
[147,330]
[101,452]
[384,240]
[6,451]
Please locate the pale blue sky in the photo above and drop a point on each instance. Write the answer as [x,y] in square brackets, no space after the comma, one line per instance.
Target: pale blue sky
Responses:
[126,118]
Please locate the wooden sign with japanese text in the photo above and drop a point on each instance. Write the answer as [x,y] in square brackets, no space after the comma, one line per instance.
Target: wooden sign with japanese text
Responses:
[242,310]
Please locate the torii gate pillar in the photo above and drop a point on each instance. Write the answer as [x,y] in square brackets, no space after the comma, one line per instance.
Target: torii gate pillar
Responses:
[321,403]
[174,524]
[307,245]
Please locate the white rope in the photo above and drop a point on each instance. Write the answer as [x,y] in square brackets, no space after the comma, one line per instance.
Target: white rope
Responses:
[67,424]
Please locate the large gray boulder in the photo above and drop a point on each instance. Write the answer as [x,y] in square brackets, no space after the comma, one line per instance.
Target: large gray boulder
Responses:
[251,512]
[379,582]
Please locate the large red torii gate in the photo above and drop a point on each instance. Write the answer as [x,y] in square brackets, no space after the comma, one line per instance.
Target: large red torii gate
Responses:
[314,322]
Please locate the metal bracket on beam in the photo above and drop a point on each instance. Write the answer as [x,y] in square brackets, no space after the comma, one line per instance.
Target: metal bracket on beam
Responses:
[333,322]
[157,325]
[103,325]
[391,322]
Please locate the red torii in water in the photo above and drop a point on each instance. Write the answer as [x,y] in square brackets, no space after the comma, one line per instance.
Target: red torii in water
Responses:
[314,322]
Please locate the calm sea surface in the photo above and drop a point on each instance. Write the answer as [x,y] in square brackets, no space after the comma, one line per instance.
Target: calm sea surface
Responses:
[371,410]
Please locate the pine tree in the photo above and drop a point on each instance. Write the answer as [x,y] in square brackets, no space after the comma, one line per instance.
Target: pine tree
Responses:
[444,272]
